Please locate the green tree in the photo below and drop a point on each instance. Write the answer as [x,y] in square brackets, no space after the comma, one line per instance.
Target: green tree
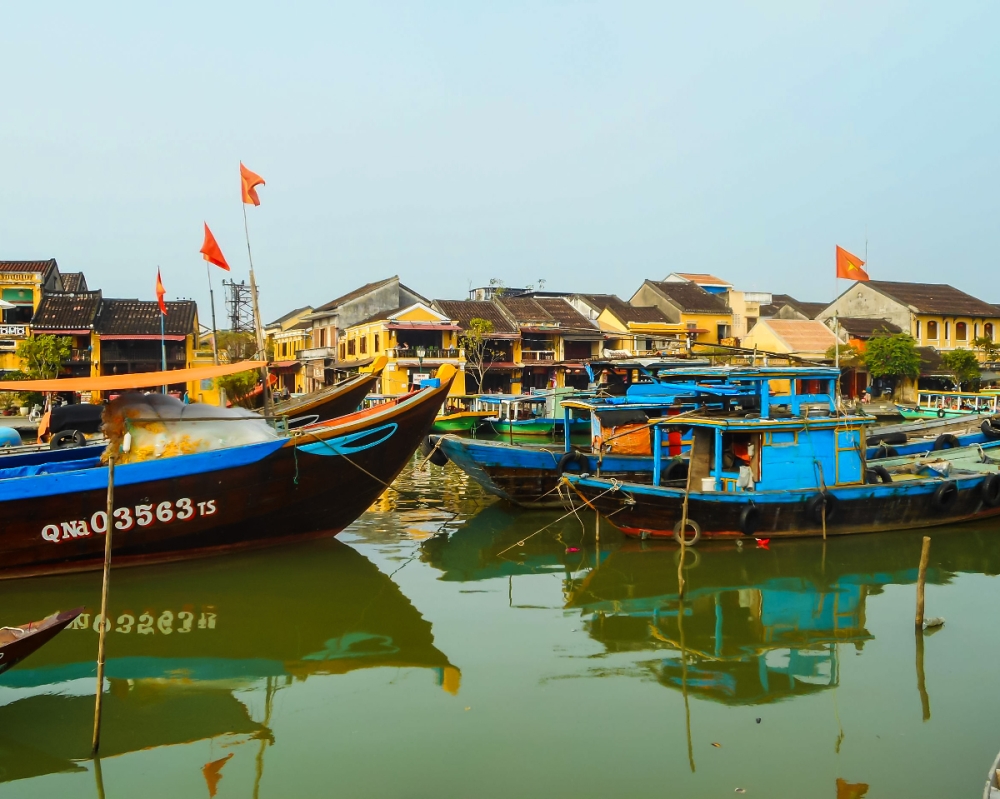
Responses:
[239,386]
[478,355]
[963,364]
[892,356]
[850,358]
[987,346]
[42,357]
[236,346]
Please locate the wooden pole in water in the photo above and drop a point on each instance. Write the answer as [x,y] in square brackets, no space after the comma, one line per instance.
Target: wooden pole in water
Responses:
[684,523]
[109,525]
[925,700]
[925,551]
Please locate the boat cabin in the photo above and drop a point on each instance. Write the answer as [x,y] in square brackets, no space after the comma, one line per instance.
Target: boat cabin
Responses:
[970,402]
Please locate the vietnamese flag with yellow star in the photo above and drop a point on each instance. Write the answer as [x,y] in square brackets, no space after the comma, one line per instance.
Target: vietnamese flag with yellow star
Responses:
[849,266]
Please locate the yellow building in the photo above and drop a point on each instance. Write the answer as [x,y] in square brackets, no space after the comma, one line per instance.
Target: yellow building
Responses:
[416,341]
[804,338]
[703,317]
[630,329]
[935,314]
[285,338]
[22,284]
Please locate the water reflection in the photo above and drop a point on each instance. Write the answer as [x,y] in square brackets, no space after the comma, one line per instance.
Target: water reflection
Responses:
[187,640]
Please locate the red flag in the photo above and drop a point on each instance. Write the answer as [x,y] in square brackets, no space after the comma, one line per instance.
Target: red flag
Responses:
[250,182]
[160,292]
[849,266]
[211,252]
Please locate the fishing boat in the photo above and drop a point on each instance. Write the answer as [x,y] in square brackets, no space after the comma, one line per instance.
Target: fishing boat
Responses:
[337,400]
[992,789]
[527,415]
[461,414]
[946,404]
[16,643]
[798,473]
[309,481]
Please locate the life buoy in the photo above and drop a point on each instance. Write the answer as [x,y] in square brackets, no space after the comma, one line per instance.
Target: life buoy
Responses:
[677,470]
[65,439]
[941,413]
[690,542]
[945,441]
[945,496]
[989,490]
[434,453]
[749,519]
[571,457]
[816,506]
[878,473]
[989,430]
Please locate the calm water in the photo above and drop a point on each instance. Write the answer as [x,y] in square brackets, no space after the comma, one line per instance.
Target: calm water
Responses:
[438,649]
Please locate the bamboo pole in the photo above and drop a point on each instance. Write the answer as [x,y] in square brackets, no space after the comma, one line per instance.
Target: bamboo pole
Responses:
[105,624]
[684,523]
[925,552]
[925,700]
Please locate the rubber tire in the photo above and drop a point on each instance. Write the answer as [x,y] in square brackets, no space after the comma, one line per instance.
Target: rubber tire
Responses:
[691,541]
[945,496]
[814,507]
[882,473]
[437,456]
[945,441]
[749,519]
[571,457]
[66,439]
[989,489]
[888,438]
[677,470]
[884,451]
[989,430]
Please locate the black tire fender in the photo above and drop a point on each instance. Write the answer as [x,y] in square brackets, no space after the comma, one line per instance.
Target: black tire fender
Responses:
[945,496]
[815,507]
[945,441]
[66,439]
[989,490]
[571,457]
[749,519]
[885,451]
[941,413]
[881,473]
[430,450]
[694,526]
[677,470]
[989,430]
[888,438]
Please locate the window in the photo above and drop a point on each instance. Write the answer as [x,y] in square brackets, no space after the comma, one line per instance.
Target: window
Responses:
[350,346]
[961,331]
[363,342]
[918,330]
[376,348]
[988,330]
[932,330]
[343,350]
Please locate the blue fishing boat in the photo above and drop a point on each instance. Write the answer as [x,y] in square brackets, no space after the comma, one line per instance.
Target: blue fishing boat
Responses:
[795,468]
[528,415]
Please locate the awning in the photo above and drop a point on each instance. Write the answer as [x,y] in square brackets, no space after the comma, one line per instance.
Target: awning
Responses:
[421,326]
[157,337]
[135,380]
[285,364]
[43,331]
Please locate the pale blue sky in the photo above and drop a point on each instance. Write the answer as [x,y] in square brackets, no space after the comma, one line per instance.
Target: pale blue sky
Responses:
[589,144]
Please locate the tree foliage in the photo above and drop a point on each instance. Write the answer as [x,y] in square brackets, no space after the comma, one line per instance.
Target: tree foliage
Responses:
[42,357]
[478,355]
[892,356]
[987,346]
[963,364]
[236,346]
[238,386]
[849,356]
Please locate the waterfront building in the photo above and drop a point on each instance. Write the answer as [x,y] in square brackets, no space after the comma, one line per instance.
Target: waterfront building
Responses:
[935,314]
[802,338]
[503,345]
[745,305]
[630,330]
[320,364]
[784,306]
[704,316]
[284,338]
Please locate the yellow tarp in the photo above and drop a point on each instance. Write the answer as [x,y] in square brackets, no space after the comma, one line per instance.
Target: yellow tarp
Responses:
[138,380]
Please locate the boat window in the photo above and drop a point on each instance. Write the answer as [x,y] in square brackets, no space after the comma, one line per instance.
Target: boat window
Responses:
[741,449]
[932,330]
[961,331]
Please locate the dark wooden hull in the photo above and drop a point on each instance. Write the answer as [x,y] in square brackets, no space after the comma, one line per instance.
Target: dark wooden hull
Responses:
[35,635]
[315,483]
[329,403]
[646,512]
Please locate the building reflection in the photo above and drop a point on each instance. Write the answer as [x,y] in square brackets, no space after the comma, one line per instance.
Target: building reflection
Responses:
[188,640]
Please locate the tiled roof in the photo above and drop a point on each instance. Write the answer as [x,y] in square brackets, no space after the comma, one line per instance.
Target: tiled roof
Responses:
[598,301]
[934,298]
[280,319]
[691,298]
[930,362]
[802,335]
[563,313]
[703,279]
[358,292]
[380,316]
[67,311]
[866,328]
[643,314]
[25,267]
[463,311]
[526,310]
[74,282]
[142,318]
[808,309]
[305,324]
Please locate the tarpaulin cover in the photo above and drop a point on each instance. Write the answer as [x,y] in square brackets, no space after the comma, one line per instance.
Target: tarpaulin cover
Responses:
[137,380]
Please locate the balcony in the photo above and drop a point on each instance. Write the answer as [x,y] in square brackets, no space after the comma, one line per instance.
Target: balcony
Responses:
[534,356]
[430,353]
[78,356]
[14,331]
[316,353]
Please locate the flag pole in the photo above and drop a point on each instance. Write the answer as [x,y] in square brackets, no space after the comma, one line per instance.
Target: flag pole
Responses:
[163,347]
[256,318]
[211,299]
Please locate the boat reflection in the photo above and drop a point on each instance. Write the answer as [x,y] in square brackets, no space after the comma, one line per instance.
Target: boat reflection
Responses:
[186,641]
[758,625]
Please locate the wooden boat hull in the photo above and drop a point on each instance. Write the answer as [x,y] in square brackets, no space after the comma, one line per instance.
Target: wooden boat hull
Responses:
[35,636]
[649,512]
[529,476]
[539,427]
[933,413]
[463,422]
[321,406]
[314,483]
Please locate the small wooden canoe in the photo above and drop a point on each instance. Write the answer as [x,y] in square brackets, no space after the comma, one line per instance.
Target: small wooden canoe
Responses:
[992,789]
[16,643]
